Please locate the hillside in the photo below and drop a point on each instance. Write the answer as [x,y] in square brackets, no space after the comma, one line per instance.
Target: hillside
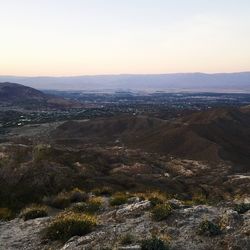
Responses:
[214,135]
[132,174]
[13,94]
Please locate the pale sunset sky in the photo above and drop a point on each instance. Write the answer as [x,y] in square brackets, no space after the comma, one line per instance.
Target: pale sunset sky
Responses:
[88,37]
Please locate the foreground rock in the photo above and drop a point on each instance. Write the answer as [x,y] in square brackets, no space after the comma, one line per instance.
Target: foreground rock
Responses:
[179,229]
[25,235]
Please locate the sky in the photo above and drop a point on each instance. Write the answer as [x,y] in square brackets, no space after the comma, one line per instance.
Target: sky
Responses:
[89,37]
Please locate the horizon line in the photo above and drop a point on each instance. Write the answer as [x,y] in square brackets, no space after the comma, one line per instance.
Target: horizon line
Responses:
[125,74]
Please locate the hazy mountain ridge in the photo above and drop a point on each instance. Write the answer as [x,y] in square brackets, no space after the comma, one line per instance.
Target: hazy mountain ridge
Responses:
[178,81]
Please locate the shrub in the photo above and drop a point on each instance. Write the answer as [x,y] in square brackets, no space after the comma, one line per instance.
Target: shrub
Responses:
[5,213]
[209,228]
[197,199]
[105,191]
[118,199]
[156,198]
[127,239]
[80,207]
[60,201]
[161,211]
[34,211]
[90,207]
[141,196]
[242,208]
[41,152]
[77,195]
[94,204]
[67,225]
[154,244]
[64,199]
[200,199]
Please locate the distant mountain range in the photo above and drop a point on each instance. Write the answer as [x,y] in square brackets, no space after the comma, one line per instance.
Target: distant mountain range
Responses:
[221,82]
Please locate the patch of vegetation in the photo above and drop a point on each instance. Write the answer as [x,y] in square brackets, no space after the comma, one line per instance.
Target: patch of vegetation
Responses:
[5,214]
[103,191]
[242,207]
[156,198]
[119,199]
[60,201]
[127,239]
[161,211]
[64,199]
[197,199]
[67,225]
[33,212]
[140,195]
[77,195]
[41,152]
[154,244]
[91,207]
[208,228]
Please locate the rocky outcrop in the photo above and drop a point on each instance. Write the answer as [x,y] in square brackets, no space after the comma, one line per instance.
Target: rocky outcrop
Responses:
[180,229]
[24,235]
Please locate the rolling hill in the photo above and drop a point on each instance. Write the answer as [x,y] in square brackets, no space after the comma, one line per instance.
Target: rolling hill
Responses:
[13,94]
[214,135]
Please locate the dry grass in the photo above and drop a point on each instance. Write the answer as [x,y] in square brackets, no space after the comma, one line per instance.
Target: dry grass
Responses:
[5,214]
[156,198]
[118,199]
[105,191]
[197,199]
[92,206]
[64,199]
[208,228]
[154,243]
[34,211]
[161,211]
[127,239]
[67,225]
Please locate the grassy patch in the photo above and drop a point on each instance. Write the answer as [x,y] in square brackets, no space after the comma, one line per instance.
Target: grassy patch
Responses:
[156,198]
[41,152]
[34,211]
[5,214]
[59,201]
[197,199]
[91,207]
[208,228]
[127,239]
[103,191]
[77,195]
[67,225]
[161,211]
[154,244]
[64,199]
[119,199]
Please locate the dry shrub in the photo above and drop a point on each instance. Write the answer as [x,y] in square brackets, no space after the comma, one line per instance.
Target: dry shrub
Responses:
[67,225]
